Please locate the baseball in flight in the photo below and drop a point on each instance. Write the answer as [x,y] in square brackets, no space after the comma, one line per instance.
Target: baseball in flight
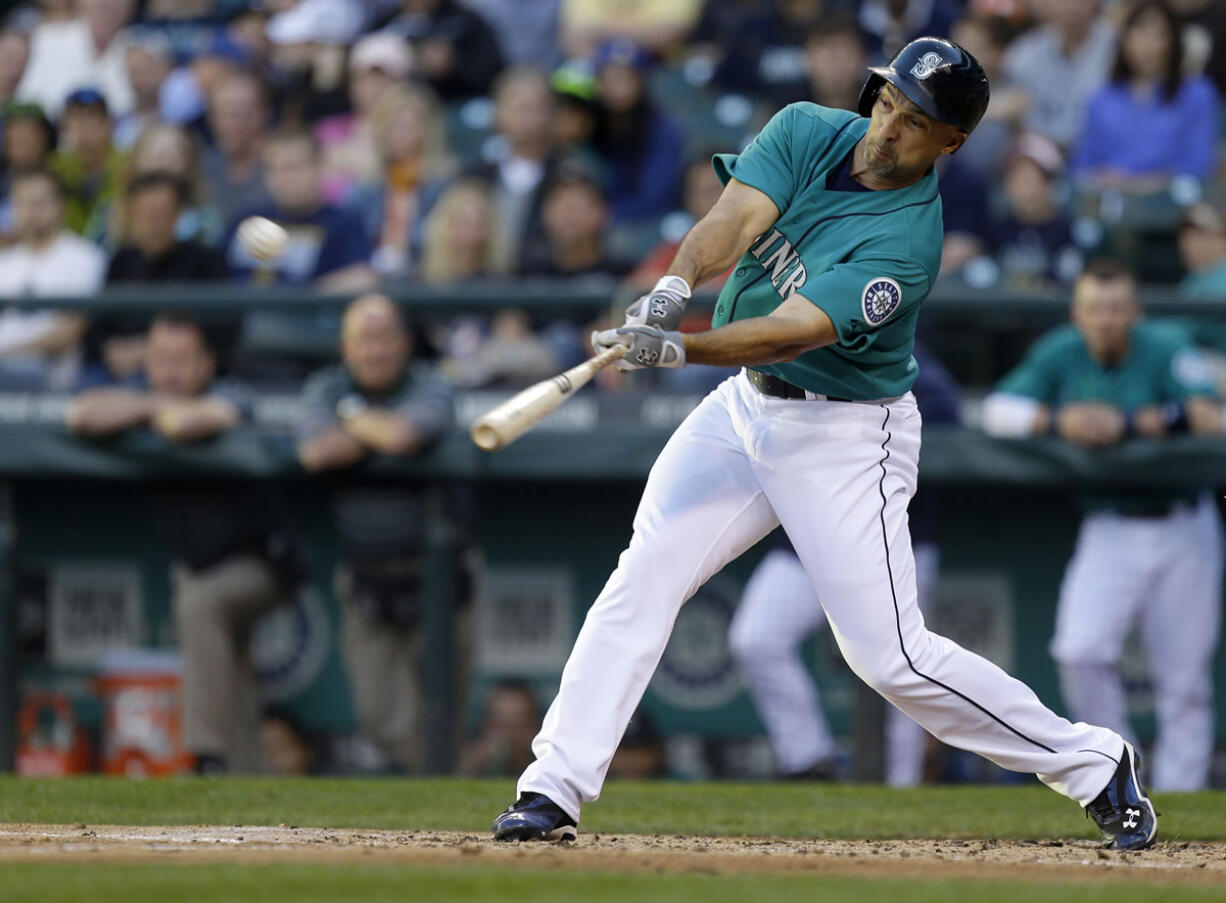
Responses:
[262,238]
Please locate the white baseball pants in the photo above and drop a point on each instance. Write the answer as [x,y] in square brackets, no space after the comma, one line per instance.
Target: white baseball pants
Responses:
[1165,574]
[838,476]
[778,610]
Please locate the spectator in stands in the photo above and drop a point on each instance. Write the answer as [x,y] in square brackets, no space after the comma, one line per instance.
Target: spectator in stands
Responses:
[328,244]
[85,50]
[238,115]
[411,142]
[576,218]
[575,112]
[233,558]
[288,749]
[1149,557]
[377,63]
[1204,24]
[454,49]
[464,239]
[171,149]
[1032,237]
[41,348]
[524,118]
[657,25]
[148,63]
[641,755]
[527,30]
[702,189]
[87,163]
[149,252]
[380,402]
[986,39]
[28,139]
[1202,247]
[964,208]
[889,24]
[835,60]
[1150,122]
[642,145]
[14,54]
[510,718]
[1060,64]
[183,97]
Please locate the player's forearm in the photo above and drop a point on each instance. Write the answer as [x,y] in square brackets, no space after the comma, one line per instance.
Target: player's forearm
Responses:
[715,243]
[747,343]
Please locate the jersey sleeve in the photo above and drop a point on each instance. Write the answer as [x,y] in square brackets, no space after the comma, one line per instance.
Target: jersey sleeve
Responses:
[773,161]
[1188,374]
[862,295]
[1038,375]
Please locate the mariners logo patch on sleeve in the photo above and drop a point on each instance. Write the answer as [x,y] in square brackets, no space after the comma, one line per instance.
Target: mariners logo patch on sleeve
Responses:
[881,298]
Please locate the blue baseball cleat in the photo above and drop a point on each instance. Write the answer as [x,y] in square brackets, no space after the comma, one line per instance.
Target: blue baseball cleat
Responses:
[534,816]
[1123,813]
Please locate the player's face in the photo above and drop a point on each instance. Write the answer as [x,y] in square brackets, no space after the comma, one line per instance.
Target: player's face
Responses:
[902,142]
[1104,310]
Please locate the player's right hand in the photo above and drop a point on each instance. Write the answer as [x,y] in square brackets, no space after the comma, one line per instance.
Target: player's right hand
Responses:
[662,307]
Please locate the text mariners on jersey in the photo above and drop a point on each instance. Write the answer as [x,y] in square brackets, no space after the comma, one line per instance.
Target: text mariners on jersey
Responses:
[787,271]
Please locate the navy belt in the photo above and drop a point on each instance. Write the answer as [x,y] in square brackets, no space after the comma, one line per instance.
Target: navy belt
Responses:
[781,388]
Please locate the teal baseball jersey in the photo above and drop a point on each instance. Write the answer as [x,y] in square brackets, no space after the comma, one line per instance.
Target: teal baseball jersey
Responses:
[1162,366]
[866,258]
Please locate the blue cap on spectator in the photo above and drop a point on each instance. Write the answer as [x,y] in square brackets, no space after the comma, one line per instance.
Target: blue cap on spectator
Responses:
[621,52]
[223,47]
[86,97]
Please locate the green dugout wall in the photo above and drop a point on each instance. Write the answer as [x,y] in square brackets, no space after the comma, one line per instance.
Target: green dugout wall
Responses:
[88,573]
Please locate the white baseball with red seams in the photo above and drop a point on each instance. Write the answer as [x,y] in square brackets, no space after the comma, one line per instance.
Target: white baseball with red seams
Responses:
[838,476]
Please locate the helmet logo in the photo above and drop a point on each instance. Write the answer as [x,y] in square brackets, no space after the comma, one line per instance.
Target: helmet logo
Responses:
[926,65]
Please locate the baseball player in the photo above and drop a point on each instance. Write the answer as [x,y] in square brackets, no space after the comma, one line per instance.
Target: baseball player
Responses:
[833,223]
[1152,558]
[780,607]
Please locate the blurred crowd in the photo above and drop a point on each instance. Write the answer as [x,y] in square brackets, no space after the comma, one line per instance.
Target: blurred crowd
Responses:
[442,142]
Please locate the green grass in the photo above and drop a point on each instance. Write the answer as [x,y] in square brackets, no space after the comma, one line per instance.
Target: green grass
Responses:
[375,884]
[783,810]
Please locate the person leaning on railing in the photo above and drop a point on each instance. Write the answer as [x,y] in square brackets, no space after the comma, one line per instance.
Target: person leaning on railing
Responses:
[1144,556]
[378,401]
[233,556]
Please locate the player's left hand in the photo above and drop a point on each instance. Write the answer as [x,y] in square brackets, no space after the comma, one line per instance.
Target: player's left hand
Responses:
[647,346]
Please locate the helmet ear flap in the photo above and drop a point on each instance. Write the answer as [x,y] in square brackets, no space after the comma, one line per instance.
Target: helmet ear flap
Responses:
[868,94]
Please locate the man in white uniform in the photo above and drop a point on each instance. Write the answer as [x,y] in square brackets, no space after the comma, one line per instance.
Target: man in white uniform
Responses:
[1144,557]
[780,608]
[833,223]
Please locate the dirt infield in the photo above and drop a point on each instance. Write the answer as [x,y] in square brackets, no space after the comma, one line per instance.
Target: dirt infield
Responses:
[1168,863]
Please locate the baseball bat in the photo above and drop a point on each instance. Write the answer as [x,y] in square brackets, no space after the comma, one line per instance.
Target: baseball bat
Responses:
[504,424]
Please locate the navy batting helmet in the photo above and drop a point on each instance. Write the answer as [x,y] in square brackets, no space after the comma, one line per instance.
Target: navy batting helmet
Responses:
[937,76]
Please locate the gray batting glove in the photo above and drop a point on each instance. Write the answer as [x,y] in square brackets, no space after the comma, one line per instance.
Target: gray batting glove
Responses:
[647,346]
[663,306]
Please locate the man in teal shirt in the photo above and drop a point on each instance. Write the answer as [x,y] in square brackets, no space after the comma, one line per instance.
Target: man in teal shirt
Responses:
[1147,557]
[833,224]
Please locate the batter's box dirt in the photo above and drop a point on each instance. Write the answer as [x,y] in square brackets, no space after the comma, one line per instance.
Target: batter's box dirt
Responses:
[1070,860]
